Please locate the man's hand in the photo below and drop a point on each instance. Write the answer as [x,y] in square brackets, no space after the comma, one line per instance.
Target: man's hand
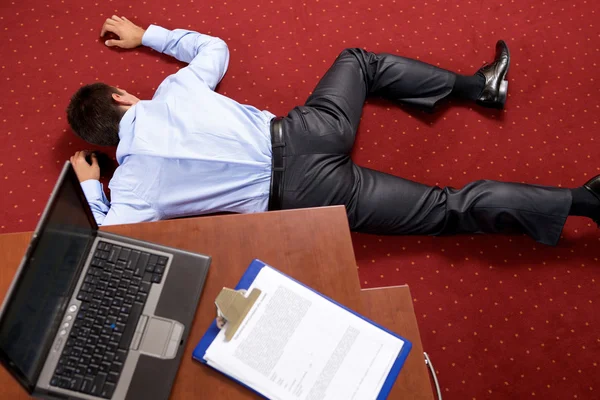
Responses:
[84,170]
[130,35]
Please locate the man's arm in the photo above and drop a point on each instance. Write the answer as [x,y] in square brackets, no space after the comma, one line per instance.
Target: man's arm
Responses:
[98,202]
[208,56]
[89,177]
[127,209]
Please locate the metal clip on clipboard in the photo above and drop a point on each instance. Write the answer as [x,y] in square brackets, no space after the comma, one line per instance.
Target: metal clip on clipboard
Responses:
[232,308]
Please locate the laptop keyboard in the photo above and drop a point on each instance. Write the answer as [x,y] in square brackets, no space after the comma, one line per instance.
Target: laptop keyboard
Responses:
[112,297]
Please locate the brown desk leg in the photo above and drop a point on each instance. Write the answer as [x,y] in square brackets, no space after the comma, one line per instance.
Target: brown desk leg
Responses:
[392,308]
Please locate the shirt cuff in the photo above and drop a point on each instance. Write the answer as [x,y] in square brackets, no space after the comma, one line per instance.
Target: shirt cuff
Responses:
[155,37]
[93,190]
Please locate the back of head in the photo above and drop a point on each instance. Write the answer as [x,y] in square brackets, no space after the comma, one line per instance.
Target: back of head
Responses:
[94,115]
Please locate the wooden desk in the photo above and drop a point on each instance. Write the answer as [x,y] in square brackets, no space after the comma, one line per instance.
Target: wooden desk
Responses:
[311,245]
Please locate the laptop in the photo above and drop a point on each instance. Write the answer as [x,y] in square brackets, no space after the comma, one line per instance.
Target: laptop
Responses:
[94,315]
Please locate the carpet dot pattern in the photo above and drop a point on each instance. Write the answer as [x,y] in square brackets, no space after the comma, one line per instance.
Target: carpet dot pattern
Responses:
[500,316]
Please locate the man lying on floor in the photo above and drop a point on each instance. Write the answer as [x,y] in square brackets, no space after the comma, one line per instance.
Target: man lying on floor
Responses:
[192,151]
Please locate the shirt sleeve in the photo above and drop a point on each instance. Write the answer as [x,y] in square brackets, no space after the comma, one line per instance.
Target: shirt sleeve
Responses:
[208,56]
[128,208]
[96,199]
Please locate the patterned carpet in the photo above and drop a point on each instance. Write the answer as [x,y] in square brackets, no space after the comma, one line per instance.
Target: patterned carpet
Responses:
[501,317]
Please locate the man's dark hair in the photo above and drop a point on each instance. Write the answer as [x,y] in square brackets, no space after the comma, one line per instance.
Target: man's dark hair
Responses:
[94,115]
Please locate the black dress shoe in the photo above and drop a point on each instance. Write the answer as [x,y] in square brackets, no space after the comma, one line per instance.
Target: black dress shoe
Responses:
[593,185]
[495,90]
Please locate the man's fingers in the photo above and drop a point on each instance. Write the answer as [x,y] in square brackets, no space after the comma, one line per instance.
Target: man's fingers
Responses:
[108,28]
[125,19]
[94,160]
[113,43]
[114,17]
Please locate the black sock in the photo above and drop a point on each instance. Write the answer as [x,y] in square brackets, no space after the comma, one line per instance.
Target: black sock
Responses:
[468,87]
[585,204]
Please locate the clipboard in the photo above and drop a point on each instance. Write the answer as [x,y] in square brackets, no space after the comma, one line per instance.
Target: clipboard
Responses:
[245,282]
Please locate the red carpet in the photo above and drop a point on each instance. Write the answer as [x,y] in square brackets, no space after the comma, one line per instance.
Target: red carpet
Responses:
[501,317]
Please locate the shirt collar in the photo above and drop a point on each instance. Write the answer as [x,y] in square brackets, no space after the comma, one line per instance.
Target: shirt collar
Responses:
[126,129]
[126,124]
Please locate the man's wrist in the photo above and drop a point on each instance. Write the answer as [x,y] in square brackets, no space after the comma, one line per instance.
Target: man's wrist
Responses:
[155,37]
[141,36]
[93,190]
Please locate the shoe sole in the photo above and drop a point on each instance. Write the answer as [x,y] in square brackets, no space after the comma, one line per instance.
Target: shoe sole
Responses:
[503,90]
[503,93]
[508,62]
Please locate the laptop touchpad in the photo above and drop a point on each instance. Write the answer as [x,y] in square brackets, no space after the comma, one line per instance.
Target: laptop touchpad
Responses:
[161,338]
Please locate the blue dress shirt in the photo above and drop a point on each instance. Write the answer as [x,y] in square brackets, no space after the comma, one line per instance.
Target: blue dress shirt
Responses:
[189,150]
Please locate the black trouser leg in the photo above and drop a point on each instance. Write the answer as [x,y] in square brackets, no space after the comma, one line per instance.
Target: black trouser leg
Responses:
[340,95]
[319,172]
[386,204]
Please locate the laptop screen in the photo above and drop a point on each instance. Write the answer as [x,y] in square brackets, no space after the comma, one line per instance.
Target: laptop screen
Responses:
[39,297]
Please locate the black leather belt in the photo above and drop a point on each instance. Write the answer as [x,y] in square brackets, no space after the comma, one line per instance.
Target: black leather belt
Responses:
[277,164]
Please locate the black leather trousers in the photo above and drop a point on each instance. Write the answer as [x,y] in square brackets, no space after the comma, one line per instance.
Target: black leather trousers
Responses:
[318,138]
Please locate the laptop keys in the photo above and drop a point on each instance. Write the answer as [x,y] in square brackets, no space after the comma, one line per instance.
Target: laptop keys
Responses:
[60,382]
[86,385]
[96,360]
[98,384]
[88,350]
[120,356]
[133,260]
[113,377]
[113,295]
[104,276]
[118,328]
[124,255]
[108,390]
[84,296]
[112,347]
[113,255]
[147,277]
[105,367]
[141,297]
[141,264]
[76,352]
[134,316]
[75,383]
[94,304]
[144,287]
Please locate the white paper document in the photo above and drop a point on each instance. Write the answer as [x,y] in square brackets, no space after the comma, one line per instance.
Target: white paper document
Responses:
[295,344]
